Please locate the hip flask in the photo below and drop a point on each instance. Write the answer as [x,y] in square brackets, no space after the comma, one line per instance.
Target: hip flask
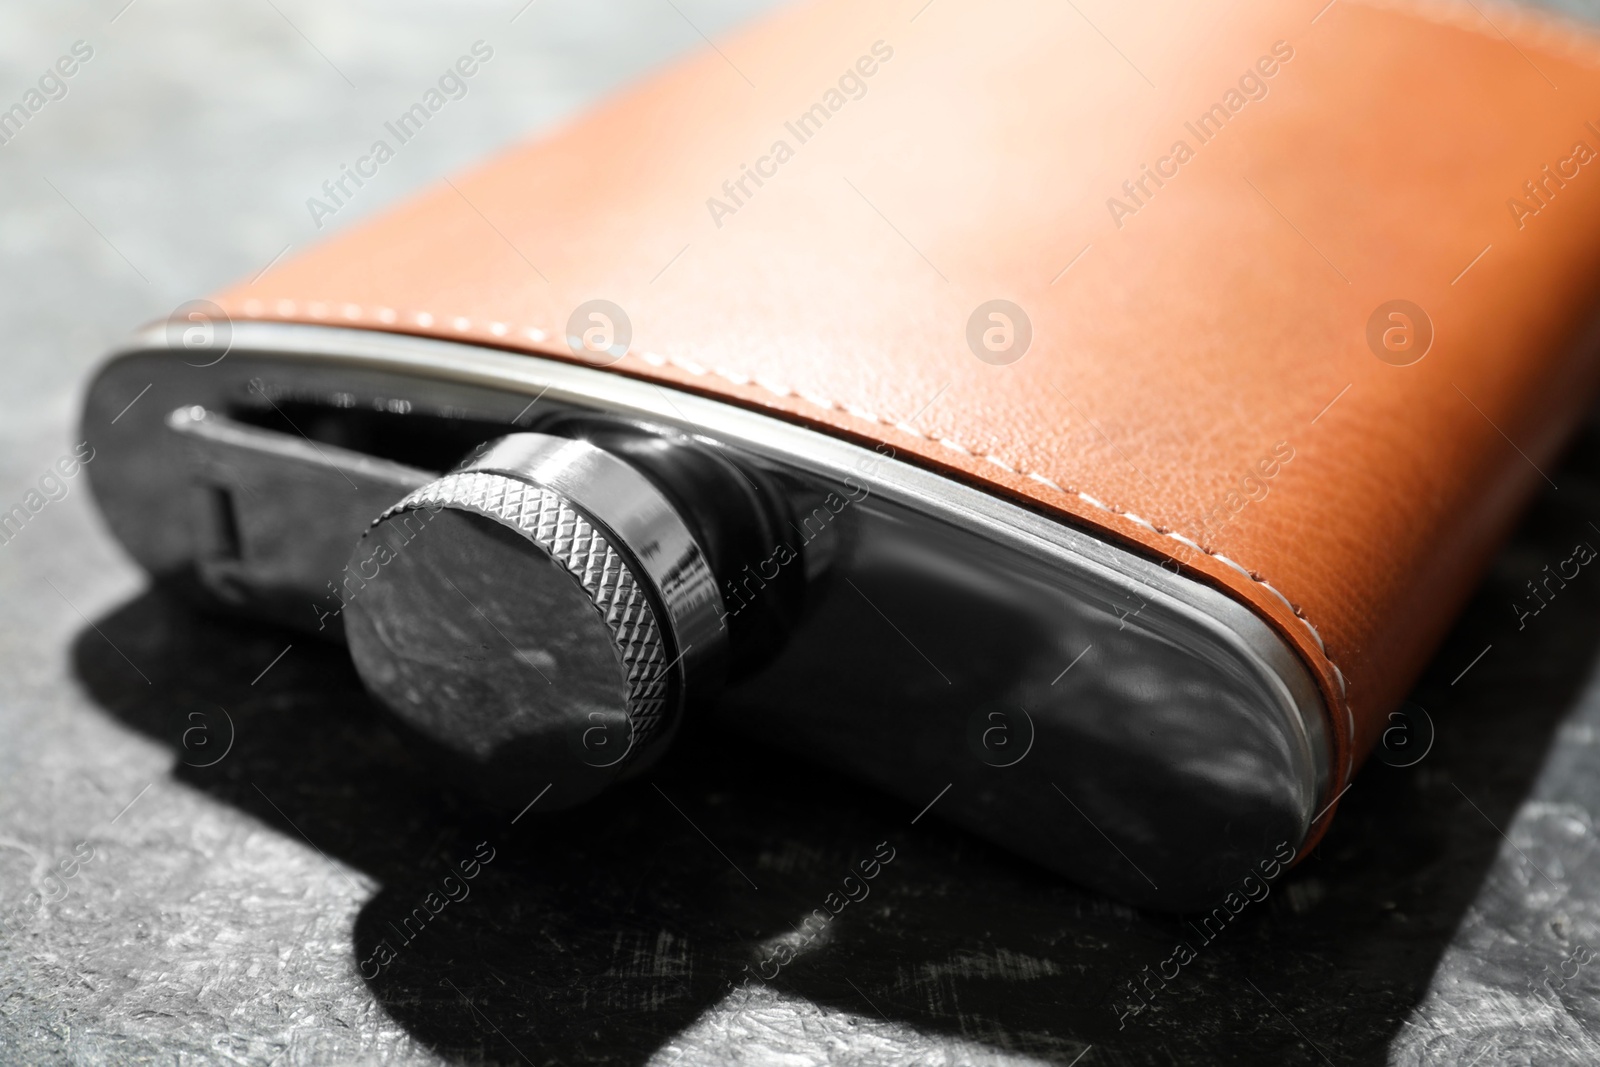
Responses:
[1098,456]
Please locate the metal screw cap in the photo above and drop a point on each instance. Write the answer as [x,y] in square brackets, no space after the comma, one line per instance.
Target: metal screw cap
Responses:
[538,615]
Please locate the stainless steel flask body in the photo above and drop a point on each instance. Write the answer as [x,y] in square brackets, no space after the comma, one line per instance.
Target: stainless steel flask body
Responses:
[542,569]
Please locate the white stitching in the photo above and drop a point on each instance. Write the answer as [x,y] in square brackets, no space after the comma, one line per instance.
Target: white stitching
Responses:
[286,309]
[820,401]
[1041,478]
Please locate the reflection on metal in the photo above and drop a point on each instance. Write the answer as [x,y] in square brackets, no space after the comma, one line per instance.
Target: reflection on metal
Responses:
[599,610]
[1192,741]
[265,519]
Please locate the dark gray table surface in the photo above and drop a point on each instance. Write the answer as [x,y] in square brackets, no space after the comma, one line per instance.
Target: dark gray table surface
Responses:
[226,911]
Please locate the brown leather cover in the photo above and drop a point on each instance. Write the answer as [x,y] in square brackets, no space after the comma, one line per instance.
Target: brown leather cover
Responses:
[1354,155]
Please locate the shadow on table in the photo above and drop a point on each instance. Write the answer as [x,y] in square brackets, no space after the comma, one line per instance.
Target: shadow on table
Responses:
[597,936]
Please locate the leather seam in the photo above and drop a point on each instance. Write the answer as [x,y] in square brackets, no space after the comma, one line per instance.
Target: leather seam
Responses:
[500,330]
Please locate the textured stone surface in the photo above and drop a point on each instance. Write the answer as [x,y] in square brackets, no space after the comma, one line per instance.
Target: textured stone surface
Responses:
[256,837]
